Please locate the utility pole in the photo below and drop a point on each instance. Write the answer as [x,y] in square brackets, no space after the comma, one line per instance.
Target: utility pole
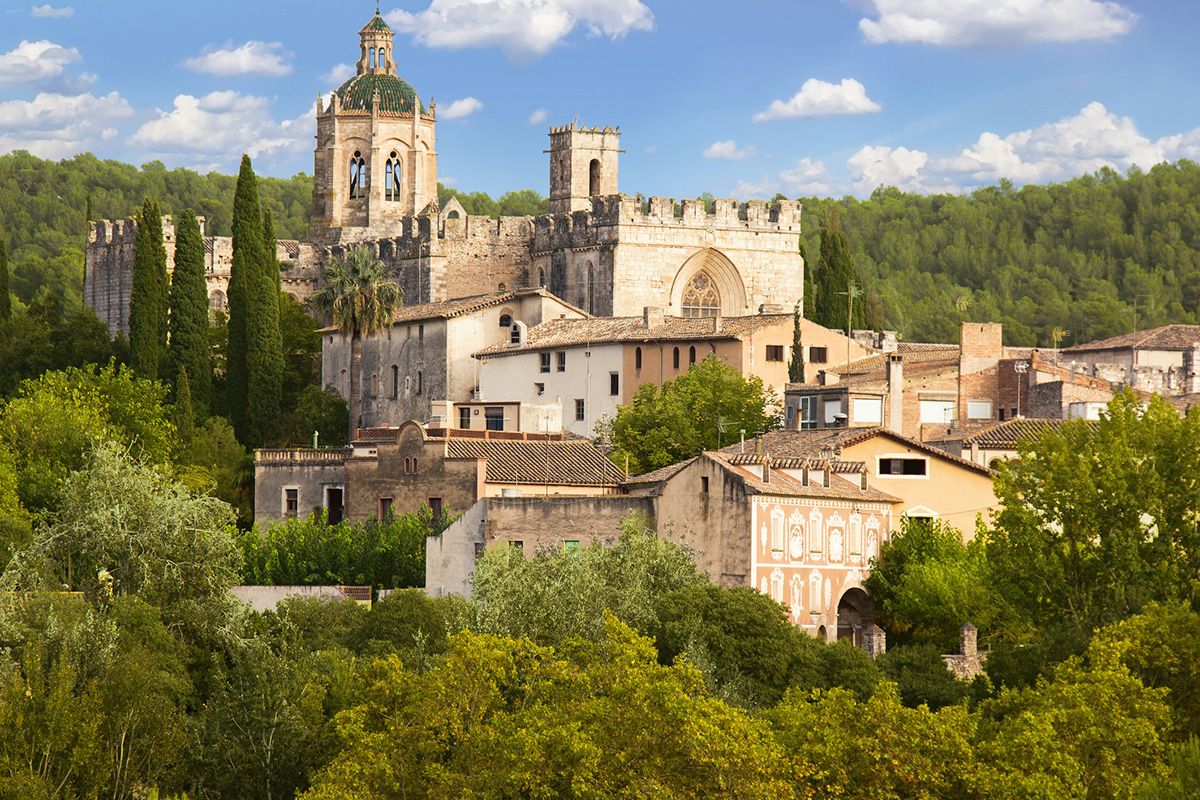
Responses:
[851,292]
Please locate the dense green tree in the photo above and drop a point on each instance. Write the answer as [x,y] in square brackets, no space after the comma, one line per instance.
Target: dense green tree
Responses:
[361,300]
[214,463]
[701,410]
[54,422]
[264,359]
[188,348]
[182,414]
[840,290]
[301,352]
[1182,780]
[921,676]
[796,365]
[320,411]
[270,262]
[5,295]
[243,287]
[148,297]
[809,310]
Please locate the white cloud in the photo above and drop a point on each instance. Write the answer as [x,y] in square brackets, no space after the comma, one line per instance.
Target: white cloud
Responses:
[220,126]
[539,116]
[463,107]
[806,178]
[892,166]
[251,58]
[728,150]
[57,125]
[337,75]
[994,23]
[52,12]
[818,98]
[523,29]
[36,62]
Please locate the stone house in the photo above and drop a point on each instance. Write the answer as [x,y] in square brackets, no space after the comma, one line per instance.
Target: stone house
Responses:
[929,482]
[425,356]
[401,470]
[591,366]
[801,530]
[996,442]
[1163,360]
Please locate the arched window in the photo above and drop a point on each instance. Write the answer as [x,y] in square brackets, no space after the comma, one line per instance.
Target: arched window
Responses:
[637,358]
[541,277]
[358,176]
[594,177]
[452,215]
[216,300]
[391,178]
[675,358]
[692,354]
[506,320]
[700,297]
[591,288]
[371,57]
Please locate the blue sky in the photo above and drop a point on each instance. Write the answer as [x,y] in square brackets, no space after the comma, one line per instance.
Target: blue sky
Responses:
[743,99]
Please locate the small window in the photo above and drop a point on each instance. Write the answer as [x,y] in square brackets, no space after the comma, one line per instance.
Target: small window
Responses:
[614,383]
[906,467]
[387,507]
[808,413]
[514,337]
[692,354]
[818,355]
[541,277]
[420,381]
[545,359]
[494,415]
[703,484]
[637,358]
[675,358]
[435,505]
[579,411]
[291,503]
[518,543]
[774,352]
[539,388]
[506,320]
[420,333]
[571,546]
[979,409]
[464,418]
[562,361]
[395,381]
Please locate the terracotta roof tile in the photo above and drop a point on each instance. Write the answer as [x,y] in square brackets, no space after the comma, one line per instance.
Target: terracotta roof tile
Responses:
[557,333]
[1005,435]
[782,483]
[1168,337]
[877,364]
[566,462]
[461,306]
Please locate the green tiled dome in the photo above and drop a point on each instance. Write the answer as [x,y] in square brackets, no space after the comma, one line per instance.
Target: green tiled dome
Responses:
[376,24]
[395,96]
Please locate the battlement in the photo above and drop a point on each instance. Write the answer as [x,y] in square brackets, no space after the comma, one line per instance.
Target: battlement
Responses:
[124,231]
[575,128]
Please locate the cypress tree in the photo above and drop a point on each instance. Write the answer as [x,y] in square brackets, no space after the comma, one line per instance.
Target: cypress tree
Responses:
[5,300]
[182,414]
[810,288]
[264,358]
[796,365]
[247,261]
[148,296]
[837,278]
[188,348]
[269,247]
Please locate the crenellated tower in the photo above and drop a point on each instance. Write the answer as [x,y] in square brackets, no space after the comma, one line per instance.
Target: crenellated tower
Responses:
[375,161]
[583,165]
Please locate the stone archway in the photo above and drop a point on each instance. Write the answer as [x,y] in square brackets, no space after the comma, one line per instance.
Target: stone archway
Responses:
[711,284]
[855,616]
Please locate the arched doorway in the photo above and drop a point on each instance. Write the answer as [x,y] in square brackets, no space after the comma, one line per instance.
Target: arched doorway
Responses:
[708,285]
[855,616]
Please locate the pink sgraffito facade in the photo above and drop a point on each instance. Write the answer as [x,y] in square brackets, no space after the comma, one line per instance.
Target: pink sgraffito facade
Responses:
[809,553]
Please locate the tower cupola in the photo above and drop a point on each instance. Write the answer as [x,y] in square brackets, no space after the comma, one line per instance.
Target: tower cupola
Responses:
[376,42]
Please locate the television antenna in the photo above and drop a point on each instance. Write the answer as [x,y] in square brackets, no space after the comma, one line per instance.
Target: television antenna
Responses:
[1021,367]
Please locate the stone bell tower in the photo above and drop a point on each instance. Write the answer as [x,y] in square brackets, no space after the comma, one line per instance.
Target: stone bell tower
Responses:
[376,160]
[583,165]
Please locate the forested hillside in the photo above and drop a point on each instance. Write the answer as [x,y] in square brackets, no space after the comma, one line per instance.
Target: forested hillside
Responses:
[1095,256]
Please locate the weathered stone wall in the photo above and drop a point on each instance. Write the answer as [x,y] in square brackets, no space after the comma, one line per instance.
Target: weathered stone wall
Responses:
[309,471]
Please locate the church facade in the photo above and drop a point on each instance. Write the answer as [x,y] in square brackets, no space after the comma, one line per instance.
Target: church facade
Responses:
[610,254]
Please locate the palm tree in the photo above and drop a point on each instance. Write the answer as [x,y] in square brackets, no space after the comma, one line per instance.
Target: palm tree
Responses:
[360,299]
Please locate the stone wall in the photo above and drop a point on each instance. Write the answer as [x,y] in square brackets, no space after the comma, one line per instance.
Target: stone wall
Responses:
[309,471]
[537,523]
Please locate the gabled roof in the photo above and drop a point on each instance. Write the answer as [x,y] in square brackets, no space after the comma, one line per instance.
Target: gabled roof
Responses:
[559,333]
[828,442]
[1005,435]
[550,462]
[1168,337]
[933,357]
[658,475]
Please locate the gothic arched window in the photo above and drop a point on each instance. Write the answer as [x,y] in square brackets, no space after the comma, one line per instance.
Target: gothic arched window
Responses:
[594,177]
[391,178]
[358,176]
[700,297]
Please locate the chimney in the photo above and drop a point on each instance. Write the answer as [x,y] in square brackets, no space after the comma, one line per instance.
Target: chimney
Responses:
[1191,365]
[716,324]
[827,473]
[766,467]
[652,316]
[804,474]
[862,478]
[895,387]
[968,636]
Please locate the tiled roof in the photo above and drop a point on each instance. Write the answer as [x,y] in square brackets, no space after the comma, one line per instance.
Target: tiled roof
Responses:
[557,333]
[924,347]
[836,466]
[567,462]
[658,475]
[376,24]
[1168,337]
[1005,435]
[877,364]
[461,306]
[395,96]
[809,444]
[782,483]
